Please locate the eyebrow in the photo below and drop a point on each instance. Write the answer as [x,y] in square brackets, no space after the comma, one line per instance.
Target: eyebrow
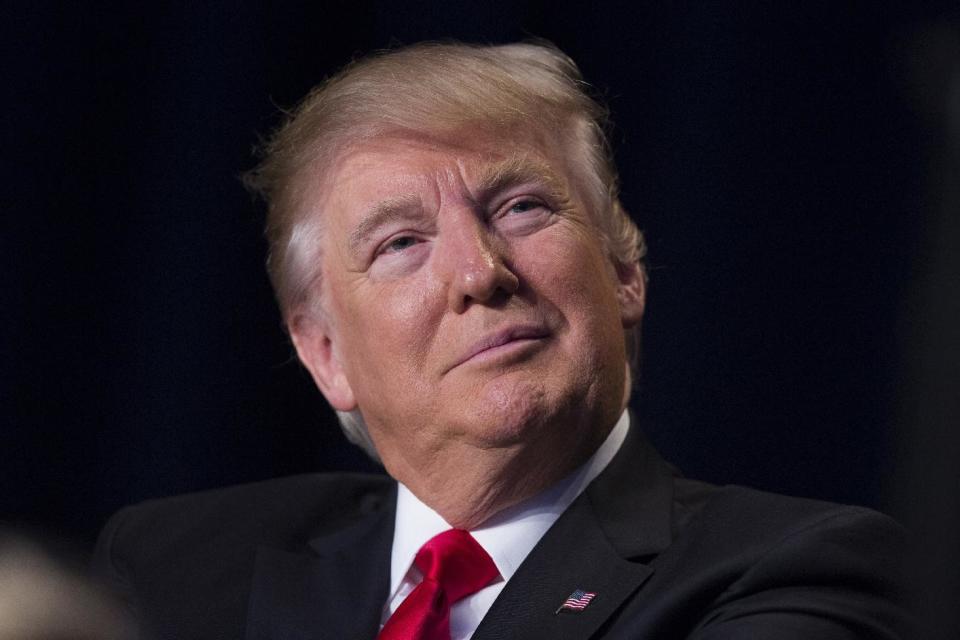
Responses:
[400,208]
[515,170]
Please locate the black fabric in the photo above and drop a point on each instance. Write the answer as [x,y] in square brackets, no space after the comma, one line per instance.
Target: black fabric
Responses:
[309,557]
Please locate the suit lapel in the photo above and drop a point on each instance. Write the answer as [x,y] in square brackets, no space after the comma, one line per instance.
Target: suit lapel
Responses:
[335,589]
[574,554]
[598,545]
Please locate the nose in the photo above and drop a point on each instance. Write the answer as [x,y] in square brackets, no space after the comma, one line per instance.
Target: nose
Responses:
[476,269]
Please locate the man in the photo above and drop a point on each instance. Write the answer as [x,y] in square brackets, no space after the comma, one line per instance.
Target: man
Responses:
[459,278]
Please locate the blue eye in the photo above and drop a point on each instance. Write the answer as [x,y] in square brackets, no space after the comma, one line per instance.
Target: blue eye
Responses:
[524,205]
[400,244]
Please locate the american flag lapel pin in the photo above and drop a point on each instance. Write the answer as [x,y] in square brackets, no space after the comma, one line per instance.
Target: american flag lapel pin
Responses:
[576,601]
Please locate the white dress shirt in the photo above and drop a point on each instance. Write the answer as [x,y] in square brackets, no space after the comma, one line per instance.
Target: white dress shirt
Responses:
[507,537]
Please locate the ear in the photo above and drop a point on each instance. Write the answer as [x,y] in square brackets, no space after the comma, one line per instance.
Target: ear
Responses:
[314,343]
[631,293]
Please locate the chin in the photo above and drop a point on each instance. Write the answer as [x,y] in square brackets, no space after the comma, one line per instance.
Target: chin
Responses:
[512,412]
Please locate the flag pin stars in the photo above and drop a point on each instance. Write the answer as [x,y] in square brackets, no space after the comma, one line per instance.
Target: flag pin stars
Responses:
[576,601]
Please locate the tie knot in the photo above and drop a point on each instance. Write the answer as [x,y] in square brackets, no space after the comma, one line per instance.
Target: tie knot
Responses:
[457,563]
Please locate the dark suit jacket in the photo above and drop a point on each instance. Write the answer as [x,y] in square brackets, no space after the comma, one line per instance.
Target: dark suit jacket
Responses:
[309,557]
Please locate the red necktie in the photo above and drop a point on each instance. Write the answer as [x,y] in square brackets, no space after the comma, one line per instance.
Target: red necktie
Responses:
[454,566]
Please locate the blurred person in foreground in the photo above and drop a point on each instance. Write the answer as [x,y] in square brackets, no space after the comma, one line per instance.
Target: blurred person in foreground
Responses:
[42,599]
[458,276]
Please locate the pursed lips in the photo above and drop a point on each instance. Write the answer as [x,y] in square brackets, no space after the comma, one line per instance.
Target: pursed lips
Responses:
[502,337]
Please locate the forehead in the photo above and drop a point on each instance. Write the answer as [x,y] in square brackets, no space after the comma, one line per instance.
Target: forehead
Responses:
[389,163]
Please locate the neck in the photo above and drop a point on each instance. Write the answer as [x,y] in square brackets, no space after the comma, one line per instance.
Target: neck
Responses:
[467,486]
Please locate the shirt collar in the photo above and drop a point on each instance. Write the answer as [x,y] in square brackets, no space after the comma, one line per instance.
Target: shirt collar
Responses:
[510,535]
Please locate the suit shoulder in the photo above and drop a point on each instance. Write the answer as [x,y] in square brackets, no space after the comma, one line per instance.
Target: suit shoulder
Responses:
[751,526]
[694,499]
[184,564]
[281,512]
[744,534]
[759,563]
[268,498]
[753,512]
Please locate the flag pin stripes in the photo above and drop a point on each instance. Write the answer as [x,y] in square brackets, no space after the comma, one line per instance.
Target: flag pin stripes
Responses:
[576,601]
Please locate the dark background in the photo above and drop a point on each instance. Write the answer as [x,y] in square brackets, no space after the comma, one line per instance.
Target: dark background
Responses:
[791,163]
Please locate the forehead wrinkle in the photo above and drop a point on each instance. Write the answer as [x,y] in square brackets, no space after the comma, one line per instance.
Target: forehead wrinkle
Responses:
[397,208]
[514,170]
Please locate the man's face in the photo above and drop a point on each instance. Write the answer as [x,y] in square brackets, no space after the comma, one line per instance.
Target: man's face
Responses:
[468,301]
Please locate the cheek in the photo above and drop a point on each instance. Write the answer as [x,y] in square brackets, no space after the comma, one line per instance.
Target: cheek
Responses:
[389,328]
[574,276]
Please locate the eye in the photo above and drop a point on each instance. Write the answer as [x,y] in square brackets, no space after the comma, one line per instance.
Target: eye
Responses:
[523,206]
[399,244]
[523,215]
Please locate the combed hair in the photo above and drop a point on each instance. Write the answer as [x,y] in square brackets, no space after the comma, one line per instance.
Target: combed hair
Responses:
[431,88]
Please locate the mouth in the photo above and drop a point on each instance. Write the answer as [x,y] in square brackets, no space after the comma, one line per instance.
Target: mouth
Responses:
[508,342]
